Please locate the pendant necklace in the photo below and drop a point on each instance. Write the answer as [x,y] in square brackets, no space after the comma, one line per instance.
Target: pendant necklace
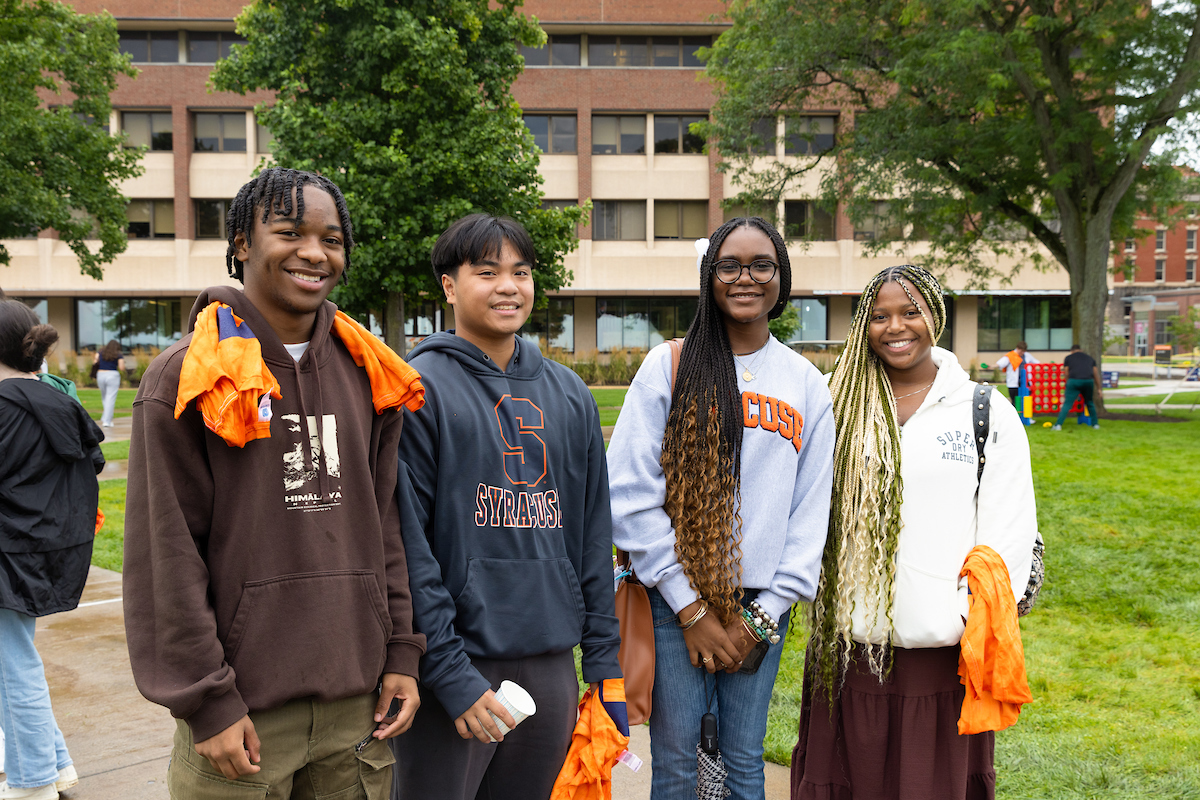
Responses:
[918,391]
[748,371]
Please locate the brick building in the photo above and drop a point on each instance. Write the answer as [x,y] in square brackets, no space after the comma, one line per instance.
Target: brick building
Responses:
[609,101]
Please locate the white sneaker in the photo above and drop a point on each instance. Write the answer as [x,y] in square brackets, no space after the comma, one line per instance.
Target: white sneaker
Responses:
[1056,427]
[47,792]
[67,777]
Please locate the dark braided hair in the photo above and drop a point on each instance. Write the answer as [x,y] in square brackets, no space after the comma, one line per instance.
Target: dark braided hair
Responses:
[701,452]
[272,191]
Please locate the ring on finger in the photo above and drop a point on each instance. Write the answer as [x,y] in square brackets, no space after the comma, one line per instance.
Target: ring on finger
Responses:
[705,660]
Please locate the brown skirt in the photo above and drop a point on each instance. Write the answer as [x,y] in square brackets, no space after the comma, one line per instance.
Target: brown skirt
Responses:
[895,741]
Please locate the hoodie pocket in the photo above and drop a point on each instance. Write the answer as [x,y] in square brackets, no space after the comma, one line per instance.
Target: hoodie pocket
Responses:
[926,608]
[518,607]
[322,634]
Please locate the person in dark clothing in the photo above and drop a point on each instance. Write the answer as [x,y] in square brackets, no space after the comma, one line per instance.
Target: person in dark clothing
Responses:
[1082,376]
[266,591]
[49,458]
[506,521]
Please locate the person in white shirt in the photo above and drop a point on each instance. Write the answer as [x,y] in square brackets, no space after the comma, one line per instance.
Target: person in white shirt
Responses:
[1011,363]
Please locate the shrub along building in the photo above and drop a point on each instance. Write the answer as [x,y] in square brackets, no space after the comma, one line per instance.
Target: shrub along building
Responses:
[609,101]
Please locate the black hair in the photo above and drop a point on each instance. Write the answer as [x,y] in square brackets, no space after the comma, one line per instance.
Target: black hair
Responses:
[1075,347]
[477,237]
[24,341]
[272,191]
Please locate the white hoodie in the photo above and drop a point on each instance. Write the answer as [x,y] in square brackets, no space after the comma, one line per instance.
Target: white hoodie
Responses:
[941,518]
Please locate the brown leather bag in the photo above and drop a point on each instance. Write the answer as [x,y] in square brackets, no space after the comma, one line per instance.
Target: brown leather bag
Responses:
[637,621]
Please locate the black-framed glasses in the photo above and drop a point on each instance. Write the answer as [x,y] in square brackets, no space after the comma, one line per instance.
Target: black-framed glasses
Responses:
[728,270]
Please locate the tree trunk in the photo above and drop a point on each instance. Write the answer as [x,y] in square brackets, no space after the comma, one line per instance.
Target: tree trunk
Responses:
[393,323]
[1089,292]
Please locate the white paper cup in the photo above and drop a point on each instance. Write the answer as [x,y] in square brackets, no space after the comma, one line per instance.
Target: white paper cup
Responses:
[517,701]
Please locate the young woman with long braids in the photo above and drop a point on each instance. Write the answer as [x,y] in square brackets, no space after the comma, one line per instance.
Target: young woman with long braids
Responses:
[882,697]
[720,493]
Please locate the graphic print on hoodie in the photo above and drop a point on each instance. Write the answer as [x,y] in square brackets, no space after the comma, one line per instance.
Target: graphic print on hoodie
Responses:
[302,460]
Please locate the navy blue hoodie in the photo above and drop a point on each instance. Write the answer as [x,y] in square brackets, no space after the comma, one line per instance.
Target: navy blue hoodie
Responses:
[505,513]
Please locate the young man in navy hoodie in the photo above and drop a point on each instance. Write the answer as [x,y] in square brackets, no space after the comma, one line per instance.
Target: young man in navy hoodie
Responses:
[507,529]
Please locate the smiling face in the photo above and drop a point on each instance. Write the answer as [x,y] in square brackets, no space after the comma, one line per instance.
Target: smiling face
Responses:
[744,302]
[897,332]
[492,298]
[292,265]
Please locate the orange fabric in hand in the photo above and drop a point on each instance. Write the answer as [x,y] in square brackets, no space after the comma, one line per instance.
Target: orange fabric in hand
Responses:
[99,521]
[992,661]
[225,372]
[595,745]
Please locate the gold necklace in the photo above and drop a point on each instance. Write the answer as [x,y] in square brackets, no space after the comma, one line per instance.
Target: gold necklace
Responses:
[748,372]
[918,391]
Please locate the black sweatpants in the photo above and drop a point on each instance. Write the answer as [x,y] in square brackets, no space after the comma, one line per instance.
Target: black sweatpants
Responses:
[434,763]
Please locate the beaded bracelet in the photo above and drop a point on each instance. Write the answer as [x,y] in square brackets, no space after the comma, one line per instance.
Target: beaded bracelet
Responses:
[762,623]
[696,617]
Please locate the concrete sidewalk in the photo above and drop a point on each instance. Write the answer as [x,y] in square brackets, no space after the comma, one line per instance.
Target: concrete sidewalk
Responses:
[121,743]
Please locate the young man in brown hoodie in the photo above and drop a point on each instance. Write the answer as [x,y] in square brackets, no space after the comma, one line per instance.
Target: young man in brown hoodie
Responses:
[266,589]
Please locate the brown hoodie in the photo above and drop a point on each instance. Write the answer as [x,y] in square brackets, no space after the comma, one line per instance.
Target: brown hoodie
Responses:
[261,574]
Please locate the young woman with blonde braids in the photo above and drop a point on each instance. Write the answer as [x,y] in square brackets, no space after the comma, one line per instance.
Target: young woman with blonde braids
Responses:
[720,493]
[882,695]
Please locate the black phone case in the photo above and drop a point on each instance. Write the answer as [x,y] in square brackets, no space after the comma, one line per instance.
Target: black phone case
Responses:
[753,659]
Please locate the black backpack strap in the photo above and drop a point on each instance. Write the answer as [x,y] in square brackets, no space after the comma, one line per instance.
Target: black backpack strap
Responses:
[981,423]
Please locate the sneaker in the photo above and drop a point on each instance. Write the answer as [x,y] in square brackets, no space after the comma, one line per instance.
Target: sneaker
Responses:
[67,777]
[1056,427]
[1096,426]
[47,792]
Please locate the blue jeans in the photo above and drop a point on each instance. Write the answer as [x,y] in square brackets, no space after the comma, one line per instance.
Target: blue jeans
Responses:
[34,750]
[740,706]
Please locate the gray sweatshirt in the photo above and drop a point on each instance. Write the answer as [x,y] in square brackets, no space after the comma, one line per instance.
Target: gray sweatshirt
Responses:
[787,475]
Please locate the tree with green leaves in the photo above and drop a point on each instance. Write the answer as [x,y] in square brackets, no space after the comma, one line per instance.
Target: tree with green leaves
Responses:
[1185,328]
[996,130]
[408,108]
[59,167]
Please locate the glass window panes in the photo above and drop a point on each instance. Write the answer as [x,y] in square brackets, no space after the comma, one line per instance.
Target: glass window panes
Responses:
[146,47]
[813,319]
[210,219]
[135,44]
[618,51]
[1044,323]
[878,224]
[203,47]
[151,219]
[763,132]
[552,327]
[147,129]
[809,135]
[618,135]
[1160,269]
[1191,239]
[536,56]
[664,51]
[264,137]
[806,219]
[134,322]
[228,40]
[690,44]
[559,51]
[1190,269]
[220,132]
[1130,246]
[641,322]
[619,219]
[672,134]
[680,219]
[552,134]
[1160,240]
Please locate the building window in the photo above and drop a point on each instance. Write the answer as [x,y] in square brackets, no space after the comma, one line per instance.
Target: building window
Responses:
[205,47]
[619,219]
[1191,239]
[1130,245]
[677,51]
[1160,269]
[1044,323]
[150,47]
[151,219]
[147,129]
[804,219]
[618,135]
[220,133]
[551,133]
[1189,269]
[809,136]
[878,224]
[1162,332]
[1160,240]
[618,51]
[814,325]
[641,322]
[210,219]
[762,136]
[673,134]
[552,327]
[559,51]
[680,219]
[263,138]
[134,322]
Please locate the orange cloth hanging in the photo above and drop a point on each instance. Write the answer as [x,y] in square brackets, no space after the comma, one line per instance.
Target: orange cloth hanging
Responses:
[99,521]
[1014,359]
[601,734]
[224,369]
[992,661]
[225,373]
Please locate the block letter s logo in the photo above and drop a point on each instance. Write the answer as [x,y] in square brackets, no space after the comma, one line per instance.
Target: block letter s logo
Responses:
[524,450]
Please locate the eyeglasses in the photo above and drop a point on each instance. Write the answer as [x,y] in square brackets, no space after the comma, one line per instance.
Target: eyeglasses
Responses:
[730,271]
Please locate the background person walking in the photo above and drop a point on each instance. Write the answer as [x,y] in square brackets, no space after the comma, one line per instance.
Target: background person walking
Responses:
[109,364]
[1082,376]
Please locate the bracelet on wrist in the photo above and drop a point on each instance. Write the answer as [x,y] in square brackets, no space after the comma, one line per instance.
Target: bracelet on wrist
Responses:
[700,612]
[749,628]
[761,622]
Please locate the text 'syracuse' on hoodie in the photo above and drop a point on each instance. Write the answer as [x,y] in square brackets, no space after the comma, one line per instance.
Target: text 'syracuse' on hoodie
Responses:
[506,519]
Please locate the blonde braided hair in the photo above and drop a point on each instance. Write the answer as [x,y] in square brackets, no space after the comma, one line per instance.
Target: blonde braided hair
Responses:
[859,561]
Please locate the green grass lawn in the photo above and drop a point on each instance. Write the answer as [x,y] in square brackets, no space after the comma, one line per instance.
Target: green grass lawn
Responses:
[1179,398]
[609,401]
[115,451]
[111,539]
[90,398]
